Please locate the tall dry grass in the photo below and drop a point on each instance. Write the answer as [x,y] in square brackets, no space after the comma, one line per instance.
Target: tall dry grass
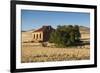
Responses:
[43,54]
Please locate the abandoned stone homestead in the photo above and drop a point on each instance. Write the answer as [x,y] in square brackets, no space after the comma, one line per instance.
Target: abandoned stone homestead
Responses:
[42,34]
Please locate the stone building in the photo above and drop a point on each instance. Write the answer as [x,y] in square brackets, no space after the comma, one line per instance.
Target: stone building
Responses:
[42,34]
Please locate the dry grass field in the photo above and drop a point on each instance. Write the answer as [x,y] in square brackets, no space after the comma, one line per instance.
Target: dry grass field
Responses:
[31,53]
[43,54]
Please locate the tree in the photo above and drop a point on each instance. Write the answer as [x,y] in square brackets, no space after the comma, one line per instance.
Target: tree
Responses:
[65,35]
[77,33]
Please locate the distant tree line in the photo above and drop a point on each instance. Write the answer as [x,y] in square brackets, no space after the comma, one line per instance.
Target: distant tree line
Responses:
[66,35]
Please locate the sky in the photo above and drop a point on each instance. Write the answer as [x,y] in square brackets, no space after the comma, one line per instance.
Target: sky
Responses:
[34,19]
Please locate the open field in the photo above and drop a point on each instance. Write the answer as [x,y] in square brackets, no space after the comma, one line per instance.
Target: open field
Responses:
[42,54]
[31,53]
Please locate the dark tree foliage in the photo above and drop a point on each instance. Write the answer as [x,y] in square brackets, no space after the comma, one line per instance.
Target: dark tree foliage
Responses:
[65,35]
[77,33]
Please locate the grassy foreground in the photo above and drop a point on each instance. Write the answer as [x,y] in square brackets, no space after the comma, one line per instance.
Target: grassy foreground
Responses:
[44,54]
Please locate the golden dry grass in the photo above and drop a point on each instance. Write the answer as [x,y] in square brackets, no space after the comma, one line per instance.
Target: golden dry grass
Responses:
[42,54]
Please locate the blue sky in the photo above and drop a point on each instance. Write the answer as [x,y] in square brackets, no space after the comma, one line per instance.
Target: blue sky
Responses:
[33,19]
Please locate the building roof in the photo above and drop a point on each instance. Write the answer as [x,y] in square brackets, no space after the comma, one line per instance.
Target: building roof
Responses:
[43,28]
[40,29]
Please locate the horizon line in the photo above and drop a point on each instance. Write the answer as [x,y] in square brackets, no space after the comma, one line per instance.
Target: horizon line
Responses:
[51,26]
